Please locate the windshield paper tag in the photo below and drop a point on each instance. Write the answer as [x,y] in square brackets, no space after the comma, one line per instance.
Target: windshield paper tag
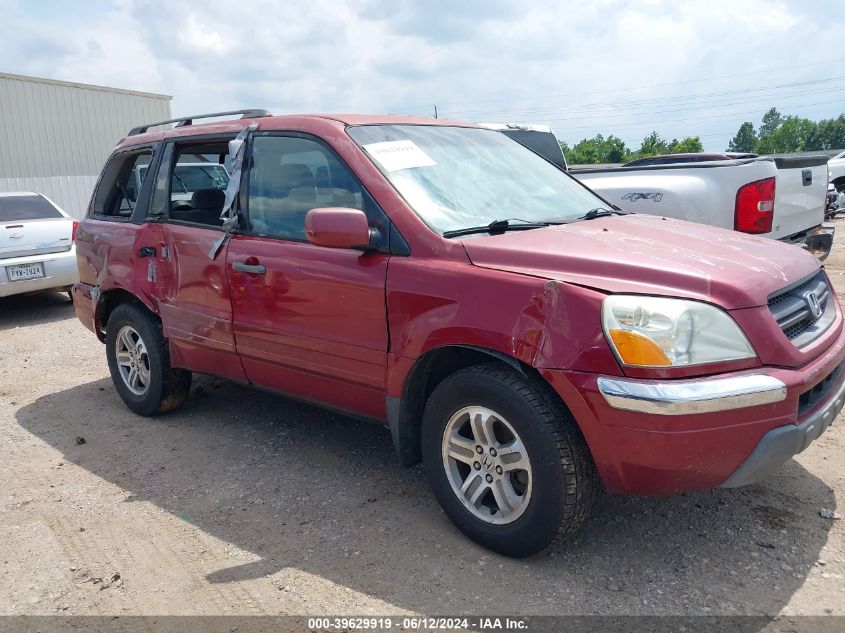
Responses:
[396,155]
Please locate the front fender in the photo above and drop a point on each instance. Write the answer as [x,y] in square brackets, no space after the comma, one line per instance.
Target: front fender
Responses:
[542,323]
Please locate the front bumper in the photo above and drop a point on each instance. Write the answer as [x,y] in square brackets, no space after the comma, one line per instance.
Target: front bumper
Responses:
[60,271]
[664,437]
[779,444]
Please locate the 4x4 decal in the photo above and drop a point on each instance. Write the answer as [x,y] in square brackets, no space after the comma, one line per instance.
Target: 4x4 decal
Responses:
[638,195]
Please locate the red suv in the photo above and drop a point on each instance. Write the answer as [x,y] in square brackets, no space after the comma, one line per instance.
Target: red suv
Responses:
[526,340]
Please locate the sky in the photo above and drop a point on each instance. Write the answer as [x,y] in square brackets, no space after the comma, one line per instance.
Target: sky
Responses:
[603,66]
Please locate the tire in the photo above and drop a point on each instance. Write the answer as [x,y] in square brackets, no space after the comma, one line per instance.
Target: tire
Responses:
[156,386]
[554,493]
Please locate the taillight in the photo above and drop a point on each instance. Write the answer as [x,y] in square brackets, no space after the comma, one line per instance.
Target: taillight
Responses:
[755,206]
[73,231]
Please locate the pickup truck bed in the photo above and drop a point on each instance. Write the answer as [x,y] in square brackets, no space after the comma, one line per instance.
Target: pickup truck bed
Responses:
[707,192]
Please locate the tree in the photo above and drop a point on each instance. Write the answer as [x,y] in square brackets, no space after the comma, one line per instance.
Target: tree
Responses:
[614,150]
[829,134]
[653,145]
[776,134]
[745,139]
[596,150]
[771,121]
[684,146]
[793,135]
[584,152]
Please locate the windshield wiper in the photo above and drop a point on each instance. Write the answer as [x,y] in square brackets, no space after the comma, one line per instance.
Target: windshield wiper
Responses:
[599,212]
[497,227]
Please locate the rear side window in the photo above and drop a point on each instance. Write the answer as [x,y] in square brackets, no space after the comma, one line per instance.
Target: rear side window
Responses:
[120,186]
[20,208]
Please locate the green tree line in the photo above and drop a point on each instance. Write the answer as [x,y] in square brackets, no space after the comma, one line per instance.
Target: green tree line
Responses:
[775,134]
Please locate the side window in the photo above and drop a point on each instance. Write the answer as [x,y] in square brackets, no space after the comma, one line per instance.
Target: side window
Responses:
[191,186]
[289,176]
[121,184]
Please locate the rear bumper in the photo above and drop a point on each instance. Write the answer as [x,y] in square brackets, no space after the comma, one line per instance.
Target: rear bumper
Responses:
[817,241]
[60,271]
[664,437]
[85,304]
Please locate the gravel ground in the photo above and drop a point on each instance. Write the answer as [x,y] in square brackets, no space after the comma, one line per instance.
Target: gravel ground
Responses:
[247,503]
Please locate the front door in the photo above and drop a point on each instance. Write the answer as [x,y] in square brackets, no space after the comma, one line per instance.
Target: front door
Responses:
[309,321]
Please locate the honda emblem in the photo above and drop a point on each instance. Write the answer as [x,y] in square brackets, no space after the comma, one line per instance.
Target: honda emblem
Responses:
[813,303]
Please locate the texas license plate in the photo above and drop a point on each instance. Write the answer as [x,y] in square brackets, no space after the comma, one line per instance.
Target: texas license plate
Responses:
[25,271]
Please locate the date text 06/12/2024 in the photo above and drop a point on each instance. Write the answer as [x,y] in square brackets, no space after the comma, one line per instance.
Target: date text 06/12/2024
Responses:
[417,623]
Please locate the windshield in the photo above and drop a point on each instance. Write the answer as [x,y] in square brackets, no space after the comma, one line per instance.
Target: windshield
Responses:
[455,178]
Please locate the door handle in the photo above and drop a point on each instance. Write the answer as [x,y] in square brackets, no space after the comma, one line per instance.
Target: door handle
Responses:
[253,269]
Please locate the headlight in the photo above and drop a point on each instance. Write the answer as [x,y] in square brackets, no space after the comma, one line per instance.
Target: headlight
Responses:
[657,332]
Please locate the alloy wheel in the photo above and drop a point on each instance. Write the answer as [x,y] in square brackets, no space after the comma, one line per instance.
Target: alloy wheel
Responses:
[487,465]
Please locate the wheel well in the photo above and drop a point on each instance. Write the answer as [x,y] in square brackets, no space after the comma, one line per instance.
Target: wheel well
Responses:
[405,417]
[113,298]
[838,182]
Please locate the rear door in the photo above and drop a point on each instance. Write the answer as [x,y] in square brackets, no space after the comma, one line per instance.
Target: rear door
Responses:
[800,193]
[190,286]
[309,321]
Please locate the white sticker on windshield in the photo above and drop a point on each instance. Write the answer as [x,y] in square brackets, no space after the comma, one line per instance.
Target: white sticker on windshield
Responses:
[396,155]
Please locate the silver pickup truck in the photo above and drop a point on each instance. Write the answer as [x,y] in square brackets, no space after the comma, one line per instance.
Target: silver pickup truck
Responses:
[778,197]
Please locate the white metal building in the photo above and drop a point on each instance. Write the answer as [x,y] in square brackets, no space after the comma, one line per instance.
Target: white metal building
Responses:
[56,135]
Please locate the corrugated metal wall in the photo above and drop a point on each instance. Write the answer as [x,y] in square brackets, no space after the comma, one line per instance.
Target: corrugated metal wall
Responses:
[55,136]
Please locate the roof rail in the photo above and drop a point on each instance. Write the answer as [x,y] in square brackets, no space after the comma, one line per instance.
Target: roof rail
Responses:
[189,120]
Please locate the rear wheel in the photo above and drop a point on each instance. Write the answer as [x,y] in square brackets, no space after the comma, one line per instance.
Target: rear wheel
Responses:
[139,362]
[506,461]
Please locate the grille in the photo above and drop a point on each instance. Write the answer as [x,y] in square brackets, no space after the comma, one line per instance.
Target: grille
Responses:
[792,310]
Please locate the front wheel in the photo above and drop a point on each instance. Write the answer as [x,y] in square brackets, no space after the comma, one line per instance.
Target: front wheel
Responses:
[139,362]
[507,463]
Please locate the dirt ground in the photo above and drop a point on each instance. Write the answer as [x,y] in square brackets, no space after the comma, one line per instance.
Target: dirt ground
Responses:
[247,503]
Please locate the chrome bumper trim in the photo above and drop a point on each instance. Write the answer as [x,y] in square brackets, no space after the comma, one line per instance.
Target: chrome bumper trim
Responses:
[686,397]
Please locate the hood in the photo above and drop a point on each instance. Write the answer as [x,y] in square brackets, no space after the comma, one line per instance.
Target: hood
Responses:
[646,254]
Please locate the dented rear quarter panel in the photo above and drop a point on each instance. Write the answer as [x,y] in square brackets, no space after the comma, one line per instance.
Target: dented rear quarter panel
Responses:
[105,255]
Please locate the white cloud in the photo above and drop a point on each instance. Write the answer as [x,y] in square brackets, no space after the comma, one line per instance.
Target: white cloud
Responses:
[578,66]
[202,38]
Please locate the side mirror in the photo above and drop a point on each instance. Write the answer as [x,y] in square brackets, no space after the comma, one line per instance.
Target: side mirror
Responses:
[337,227]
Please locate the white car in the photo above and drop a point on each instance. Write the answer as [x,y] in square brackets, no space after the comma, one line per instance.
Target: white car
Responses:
[37,249]
[836,172]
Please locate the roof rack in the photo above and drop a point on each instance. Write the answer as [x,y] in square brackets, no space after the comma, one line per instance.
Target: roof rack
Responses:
[252,113]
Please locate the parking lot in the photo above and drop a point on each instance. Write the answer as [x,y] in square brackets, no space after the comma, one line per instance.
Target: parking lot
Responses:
[243,502]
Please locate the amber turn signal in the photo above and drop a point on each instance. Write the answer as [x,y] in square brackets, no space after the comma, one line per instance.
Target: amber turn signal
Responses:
[636,349]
